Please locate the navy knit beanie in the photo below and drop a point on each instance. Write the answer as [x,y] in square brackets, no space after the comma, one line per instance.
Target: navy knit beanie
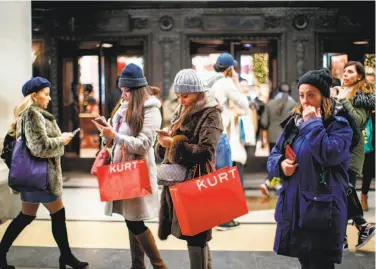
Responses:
[35,85]
[319,78]
[132,77]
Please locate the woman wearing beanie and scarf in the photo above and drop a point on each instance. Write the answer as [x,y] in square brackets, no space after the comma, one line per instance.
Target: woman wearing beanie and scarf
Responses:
[133,130]
[44,140]
[191,142]
[311,212]
[358,99]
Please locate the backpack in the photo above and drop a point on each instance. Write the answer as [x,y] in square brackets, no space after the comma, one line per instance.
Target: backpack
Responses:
[8,146]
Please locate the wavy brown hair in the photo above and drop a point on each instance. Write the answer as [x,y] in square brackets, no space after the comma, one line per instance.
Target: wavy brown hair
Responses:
[326,106]
[362,84]
[135,112]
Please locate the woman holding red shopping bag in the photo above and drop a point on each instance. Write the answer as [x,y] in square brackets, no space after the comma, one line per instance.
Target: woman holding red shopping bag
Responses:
[133,133]
[186,149]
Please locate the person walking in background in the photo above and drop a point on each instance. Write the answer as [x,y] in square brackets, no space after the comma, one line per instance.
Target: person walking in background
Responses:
[276,110]
[44,140]
[190,144]
[358,99]
[226,88]
[311,211]
[133,132]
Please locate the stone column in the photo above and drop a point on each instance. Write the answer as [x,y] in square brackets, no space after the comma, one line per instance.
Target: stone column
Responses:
[16,68]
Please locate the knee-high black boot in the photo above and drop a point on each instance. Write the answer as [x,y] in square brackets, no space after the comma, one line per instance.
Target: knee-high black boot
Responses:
[14,229]
[59,231]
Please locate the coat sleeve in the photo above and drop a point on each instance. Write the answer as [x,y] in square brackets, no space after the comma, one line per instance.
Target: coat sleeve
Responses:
[358,114]
[329,146]
[275,158]
[184,153]
[234,94]
[144,140]
[37,140]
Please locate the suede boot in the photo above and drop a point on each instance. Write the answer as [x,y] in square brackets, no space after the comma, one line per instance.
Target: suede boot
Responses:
[137,253]
[59,231]
[147,242]
[198,257]
[14,229]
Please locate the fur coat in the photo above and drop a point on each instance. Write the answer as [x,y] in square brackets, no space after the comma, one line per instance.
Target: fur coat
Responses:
[43,138]
[359,109]
[126,148]
[194,143]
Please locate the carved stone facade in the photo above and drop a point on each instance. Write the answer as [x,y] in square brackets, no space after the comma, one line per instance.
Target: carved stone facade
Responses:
[168,33]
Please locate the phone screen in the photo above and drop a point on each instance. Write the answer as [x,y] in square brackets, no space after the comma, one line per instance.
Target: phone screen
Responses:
[76,131]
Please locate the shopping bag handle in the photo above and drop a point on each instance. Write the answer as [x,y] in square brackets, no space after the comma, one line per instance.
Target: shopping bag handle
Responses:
[209,167]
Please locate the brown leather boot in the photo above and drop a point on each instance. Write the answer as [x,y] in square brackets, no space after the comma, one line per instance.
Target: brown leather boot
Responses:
[364,202]
[137,253]
[147,242]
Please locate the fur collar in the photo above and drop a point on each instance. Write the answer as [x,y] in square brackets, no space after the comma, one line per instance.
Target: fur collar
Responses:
[364,100]
[44,112]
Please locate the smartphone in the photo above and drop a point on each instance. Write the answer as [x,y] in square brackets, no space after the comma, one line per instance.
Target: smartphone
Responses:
[289,153]
[101,121]
[76,131]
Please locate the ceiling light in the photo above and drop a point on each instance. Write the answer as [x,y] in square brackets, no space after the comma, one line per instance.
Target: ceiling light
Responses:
[105,45]
[361,42]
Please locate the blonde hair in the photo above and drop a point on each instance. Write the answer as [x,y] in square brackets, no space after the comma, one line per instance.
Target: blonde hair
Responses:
[18,111]
[326,106]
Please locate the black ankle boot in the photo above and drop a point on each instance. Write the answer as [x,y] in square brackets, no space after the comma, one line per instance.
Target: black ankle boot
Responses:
[71,261]
[59,231]
[14,229]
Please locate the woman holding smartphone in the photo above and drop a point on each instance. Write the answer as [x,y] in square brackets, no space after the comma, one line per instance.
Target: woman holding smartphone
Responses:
[133,132]
[191,143]
[44,140]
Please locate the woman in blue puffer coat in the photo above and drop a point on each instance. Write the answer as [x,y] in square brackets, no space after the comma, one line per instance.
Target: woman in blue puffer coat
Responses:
[311,210]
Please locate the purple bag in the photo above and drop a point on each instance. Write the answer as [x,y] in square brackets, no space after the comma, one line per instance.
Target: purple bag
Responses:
[27,172]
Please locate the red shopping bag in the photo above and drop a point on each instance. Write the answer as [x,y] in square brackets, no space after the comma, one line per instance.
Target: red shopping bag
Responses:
[121,181]
[208,201]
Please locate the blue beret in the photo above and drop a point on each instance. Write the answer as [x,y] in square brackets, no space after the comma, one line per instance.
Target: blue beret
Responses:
[35,85]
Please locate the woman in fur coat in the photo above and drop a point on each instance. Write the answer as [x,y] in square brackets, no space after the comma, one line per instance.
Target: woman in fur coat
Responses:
[191,142]
[134,135]
[358,99]
[44,140]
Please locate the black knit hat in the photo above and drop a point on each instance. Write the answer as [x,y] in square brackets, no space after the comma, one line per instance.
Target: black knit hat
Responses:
[35,85]
[319,78]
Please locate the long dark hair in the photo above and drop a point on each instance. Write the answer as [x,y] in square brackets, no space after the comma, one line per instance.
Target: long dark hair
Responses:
[135,112]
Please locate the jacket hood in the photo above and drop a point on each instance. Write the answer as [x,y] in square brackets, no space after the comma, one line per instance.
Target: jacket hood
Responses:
[364,100]
[210,79]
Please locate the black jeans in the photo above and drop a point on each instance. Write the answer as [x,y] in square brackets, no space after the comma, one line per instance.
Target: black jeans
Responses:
[352,178]
[198,240]
[136,227]
[316,263]
[368,171]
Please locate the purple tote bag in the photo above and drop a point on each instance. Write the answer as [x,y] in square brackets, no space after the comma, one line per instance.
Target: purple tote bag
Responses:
[27,172]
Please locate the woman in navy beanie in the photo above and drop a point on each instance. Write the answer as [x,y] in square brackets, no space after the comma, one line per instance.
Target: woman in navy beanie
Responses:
[44,140]
[133,131]
[311,211]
